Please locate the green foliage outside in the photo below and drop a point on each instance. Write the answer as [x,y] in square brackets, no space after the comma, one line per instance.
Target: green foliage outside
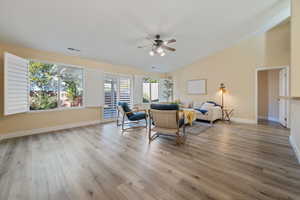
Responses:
[72,87]
[44,80]
[43,86]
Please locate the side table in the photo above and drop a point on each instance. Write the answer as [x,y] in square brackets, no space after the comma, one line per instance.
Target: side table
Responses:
[227,114]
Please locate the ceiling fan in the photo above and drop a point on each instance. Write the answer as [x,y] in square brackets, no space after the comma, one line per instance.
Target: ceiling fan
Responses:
[158,46]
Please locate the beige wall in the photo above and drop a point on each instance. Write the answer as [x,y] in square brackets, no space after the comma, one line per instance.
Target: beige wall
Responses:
[295,76]
[36,120]
[263,96]
[235,66]
[295,48]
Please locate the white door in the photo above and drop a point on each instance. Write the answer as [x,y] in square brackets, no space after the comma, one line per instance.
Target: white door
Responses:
[283,103]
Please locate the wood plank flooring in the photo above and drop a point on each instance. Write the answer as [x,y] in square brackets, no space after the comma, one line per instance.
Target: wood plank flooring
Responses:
[98,162]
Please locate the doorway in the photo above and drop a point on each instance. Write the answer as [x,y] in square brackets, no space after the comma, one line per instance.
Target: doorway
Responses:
[271,84]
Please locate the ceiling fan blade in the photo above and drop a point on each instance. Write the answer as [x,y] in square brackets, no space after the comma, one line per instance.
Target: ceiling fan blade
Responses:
[168,48]
[170,41]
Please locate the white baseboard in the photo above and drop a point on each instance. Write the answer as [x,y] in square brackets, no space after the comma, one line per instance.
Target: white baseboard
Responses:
[269,118]
[242,120]
[48,129]
[295,147]
[262,117]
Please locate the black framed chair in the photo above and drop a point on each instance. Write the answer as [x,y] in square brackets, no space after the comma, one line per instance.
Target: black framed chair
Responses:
[167,120]
[128,116]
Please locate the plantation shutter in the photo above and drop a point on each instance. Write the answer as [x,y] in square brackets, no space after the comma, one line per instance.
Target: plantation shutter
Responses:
[138,90]
[16,84]
[94,91]
[163,90]
[125,90]
[110,97]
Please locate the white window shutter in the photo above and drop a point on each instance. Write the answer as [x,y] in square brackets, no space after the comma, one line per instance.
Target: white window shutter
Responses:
[138,90]
[16,84]
[162,91]
[94,88]
[125,90]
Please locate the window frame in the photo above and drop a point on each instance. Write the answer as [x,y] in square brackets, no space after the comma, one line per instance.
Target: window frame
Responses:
[59,108]
[117,77]
[150,90]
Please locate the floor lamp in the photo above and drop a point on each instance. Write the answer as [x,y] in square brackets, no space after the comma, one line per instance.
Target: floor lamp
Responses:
[222,90]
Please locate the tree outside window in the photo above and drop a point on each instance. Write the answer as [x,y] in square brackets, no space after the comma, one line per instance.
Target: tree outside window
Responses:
[54,86]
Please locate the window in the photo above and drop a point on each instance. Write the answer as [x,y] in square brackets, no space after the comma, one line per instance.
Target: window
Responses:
[55,86]
[110,98]
[150,90]
[116,88]
[71,87]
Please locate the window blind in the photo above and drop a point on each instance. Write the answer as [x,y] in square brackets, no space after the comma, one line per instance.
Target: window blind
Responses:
[116,89]
[16,84]
[110,98]
[138,90]
[125,90]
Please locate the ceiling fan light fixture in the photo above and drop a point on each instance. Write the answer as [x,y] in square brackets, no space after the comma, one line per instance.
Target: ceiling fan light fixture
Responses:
[158,46]
[159,50]
[151,53]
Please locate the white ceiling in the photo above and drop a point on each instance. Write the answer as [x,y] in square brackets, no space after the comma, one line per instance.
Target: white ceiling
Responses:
[111,30]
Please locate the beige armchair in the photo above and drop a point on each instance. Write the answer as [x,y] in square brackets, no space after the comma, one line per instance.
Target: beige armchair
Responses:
[166,122]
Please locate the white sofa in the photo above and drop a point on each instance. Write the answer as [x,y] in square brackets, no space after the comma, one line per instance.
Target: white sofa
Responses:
[214,112]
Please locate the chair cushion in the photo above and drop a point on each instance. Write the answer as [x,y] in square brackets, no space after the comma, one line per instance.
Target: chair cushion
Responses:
[164,106]
[212,102]
[181,122]
[207,106]
[137,116]
[202,111]
[126,108]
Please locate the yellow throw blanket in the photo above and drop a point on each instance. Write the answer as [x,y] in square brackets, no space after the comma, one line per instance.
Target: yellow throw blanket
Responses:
[190,115]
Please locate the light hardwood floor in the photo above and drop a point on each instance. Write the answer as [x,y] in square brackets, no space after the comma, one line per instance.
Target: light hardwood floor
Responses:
[100,162]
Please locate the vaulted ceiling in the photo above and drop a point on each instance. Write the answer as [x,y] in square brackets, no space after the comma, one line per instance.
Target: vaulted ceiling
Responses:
[111,30]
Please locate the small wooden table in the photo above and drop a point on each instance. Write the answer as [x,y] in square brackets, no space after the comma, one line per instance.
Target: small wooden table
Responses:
[227,114]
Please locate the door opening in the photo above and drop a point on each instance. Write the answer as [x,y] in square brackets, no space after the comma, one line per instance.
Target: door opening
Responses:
[271,83]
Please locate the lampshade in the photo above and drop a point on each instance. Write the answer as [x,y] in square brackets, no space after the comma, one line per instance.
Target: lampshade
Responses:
[222,87]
